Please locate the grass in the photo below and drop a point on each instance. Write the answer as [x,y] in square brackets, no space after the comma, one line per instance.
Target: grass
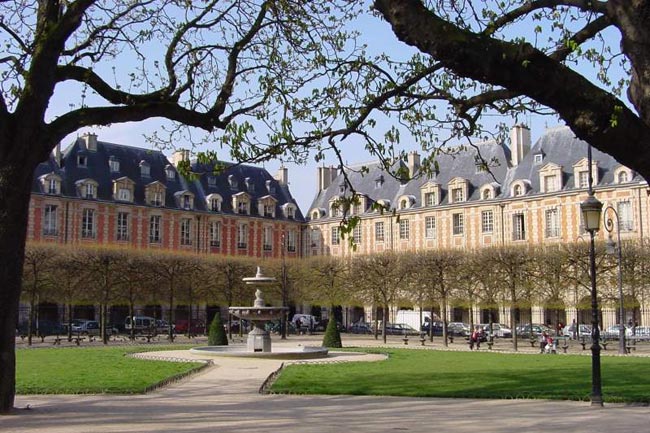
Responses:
[425,373]
[93,370]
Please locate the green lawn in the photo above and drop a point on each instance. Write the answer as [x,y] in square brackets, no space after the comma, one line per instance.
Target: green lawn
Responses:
[92,370]
[426,373]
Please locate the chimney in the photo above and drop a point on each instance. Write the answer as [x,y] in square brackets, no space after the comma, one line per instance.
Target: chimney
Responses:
[413,162]
[282,176]
[519,143]
[180,155]
[90,140]
[325,177]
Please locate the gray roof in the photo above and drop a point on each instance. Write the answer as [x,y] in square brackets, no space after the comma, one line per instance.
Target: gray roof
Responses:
[558,145]
[130,158]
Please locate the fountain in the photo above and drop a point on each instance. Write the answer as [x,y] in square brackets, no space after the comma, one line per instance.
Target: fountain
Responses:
[259,340]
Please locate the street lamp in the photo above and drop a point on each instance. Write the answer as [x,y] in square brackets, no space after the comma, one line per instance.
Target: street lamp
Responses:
[616,248]
[591,209]
[283,321]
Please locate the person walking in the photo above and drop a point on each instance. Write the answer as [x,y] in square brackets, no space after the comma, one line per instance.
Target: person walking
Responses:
[542,341]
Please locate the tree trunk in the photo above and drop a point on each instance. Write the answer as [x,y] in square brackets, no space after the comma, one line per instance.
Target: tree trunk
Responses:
[15,186]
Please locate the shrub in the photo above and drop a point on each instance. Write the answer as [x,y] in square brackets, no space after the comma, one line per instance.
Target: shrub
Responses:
[216,334]
[332,336]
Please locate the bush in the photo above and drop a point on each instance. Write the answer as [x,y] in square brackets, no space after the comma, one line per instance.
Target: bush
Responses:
[332,336]
[216,334]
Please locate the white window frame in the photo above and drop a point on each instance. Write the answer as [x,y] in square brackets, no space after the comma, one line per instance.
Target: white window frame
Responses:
[53,186]
[487,221]
[242,236]
[123,194]
[186,231]
[267,238]
[625,215]
[552,223]
[214,232]
[430,227]
[583,179]
[518,226]
[335,236]
[356,234]
[114,165]
[122,226]
[291,241]
[90,191]
[155,232]
[458,224]
[430,198]
[50,220]
[380,234]
[458,194]
[404,229]
[88,226]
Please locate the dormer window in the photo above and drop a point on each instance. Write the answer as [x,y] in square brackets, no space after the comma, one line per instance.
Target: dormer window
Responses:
[269,187]
[53,186]
[156,198]
[622,175]
[212,181]
[90,191]
[581,173]
[114,164]
[82,161]
[87,188]
[457,195]
[214,202]
[123,194]
[487,194]
[458,190]
[232,182]
[538,158]
[241,203]
[123,189]
[50,183]
[170,172]
[342,188]
[518,190]
[187,201]
[379,182]
[155,194]
[145,169]
[242,208]
[250,186]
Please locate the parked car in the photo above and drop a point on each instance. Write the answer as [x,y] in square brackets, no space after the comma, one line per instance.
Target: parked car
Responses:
[498,330]
[458,329]
[304,321]
[274,327]
[198,327]
[141,324]
[581,330]
[162,327]
[85,327]
[400,329]
[42,328]
[641,332]
[361,328]
[532,331]
[436,328]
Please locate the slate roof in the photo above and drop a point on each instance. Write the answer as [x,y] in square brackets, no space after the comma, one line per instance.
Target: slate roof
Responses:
[97,168]
[558,145]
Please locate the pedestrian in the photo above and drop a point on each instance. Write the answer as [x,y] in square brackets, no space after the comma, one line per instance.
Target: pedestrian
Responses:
[542,341]
[475,339]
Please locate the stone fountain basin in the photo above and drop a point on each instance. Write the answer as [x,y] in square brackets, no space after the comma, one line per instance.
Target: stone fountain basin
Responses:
[241,351]
[259,313]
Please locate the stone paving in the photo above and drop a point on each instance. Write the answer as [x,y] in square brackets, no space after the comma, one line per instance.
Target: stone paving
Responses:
[225,398]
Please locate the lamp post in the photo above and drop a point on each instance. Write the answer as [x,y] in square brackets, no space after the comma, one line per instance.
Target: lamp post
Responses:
[283,321]
[616,248]
[591,209]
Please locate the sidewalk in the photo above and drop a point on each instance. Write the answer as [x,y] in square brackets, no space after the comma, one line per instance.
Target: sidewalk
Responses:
[224,398]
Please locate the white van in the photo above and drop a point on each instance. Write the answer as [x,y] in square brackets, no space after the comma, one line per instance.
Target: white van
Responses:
[141,324]
[304,321]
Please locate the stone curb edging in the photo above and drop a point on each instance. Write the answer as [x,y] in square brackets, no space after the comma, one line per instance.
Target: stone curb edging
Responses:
[205,363]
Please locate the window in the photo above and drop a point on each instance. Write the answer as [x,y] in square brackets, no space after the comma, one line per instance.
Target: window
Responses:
[379,182]
[215,205]
[379,231]
[212,181]
[122,226]
[242,236]
[550,183]
[114,164]
[250,186]
[356,209]
[517,190]
[336,236]
[487,221]
[268,210]
[53,186]
[356,234]
[457,195]
[215,233]
[404,229]
[49,220]
[124,194]
[186,231]
[458,222]
[154,229]
[157,198]
[538,158]
[232,182]
[187,201]
[88,224]
[291,212]
[624,209]
[583,179]
[291,241]
[145,169]
[82,160]
[430,199]
[170,173]
[90,190]
[518,227]
[552,222]
[487,194]
[242,207]
[268,239]
[430,227]
[622,177]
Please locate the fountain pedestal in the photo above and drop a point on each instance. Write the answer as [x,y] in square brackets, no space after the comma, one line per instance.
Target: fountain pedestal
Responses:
[259,340]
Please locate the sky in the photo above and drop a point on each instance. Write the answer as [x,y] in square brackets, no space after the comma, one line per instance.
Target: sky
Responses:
[302,178]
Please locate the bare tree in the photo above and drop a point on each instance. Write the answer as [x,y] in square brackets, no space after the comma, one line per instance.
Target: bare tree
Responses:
[36,280]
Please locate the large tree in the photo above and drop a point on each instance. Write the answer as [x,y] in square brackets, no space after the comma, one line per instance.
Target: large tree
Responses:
[515,56]
[211,65]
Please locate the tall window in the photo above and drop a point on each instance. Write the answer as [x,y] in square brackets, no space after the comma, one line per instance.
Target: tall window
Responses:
[53,186]
[550,183]
[88,224]
[291,241]
[404,229]
[583,179]
[336,236]
[154,229]
[430,227]
[268,238]
[90,190]
[242,207]
[552,222]
[458,195]
[430,199]
[215,205]
[356,234]
[518,227]
[215,233]
[157,198]
[487,221]
[624,209]
[242,236]
[187,201]
[622,177]
[379,231]
[49,220]
[186,231]
[458,221]
[122,226]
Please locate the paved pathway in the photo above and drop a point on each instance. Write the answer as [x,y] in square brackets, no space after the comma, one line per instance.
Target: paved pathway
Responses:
[224,398]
